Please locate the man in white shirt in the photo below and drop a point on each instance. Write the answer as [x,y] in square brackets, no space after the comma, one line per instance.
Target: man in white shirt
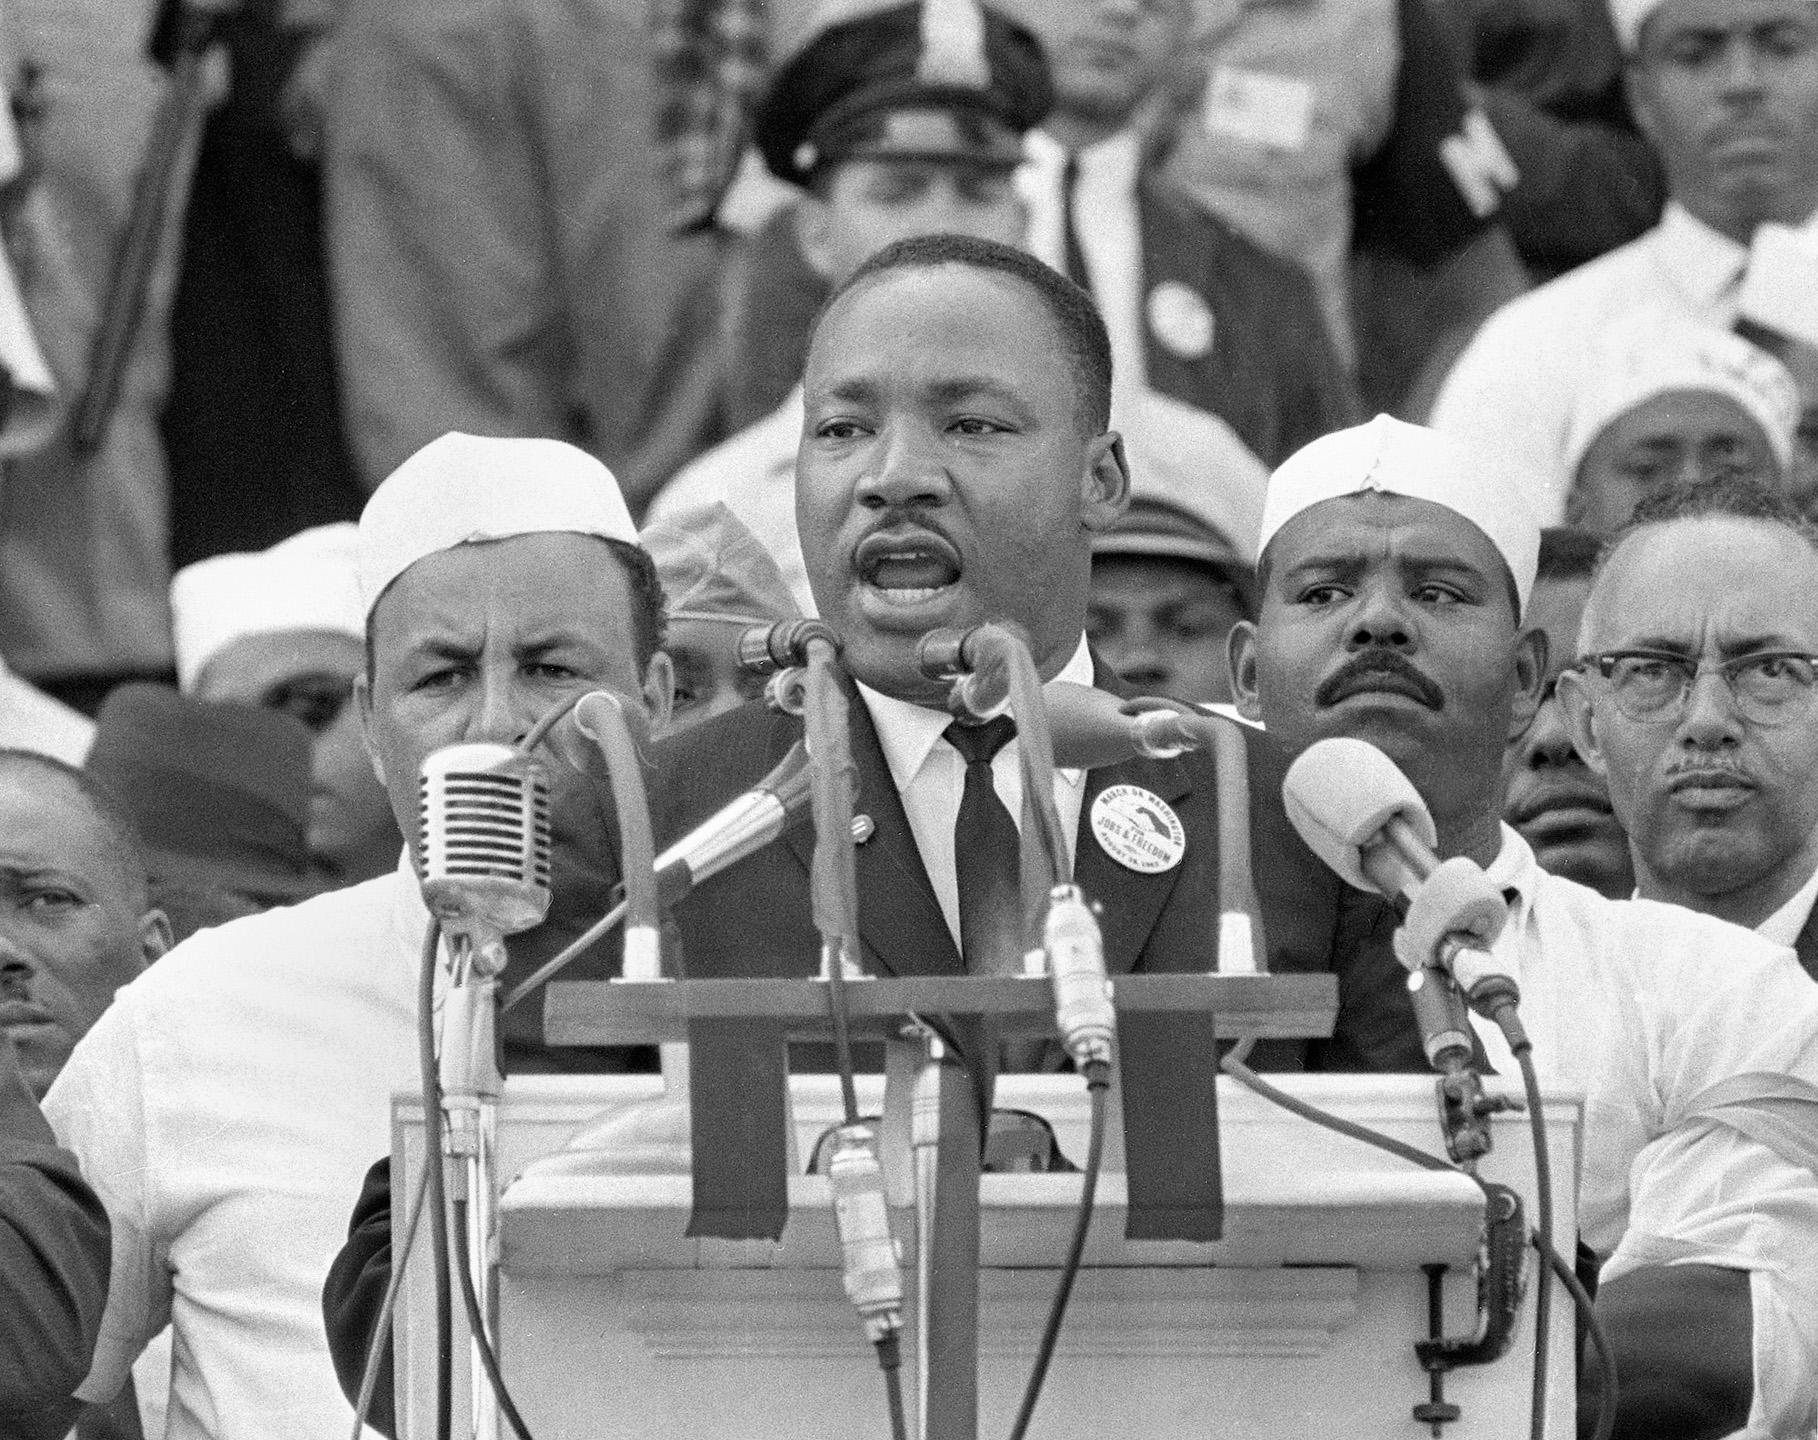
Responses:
[227,1105]
[1727,91]
[1396,565]
[1697,700]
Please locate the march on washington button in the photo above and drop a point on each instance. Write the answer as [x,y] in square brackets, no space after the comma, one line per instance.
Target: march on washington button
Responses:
[1138,829]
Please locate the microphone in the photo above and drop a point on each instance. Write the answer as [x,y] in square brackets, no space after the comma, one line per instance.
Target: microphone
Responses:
[861,1215]
[765,649]
[1091,728]
[484,844]
[1366,821]
[745,825]
[1083,1012]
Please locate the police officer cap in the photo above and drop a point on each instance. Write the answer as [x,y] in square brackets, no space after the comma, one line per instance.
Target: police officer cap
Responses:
[944,80]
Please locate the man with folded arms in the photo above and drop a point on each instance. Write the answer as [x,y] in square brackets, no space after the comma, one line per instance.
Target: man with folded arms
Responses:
[1395,568]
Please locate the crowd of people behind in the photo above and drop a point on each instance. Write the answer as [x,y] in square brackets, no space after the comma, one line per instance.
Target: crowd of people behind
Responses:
[338,334]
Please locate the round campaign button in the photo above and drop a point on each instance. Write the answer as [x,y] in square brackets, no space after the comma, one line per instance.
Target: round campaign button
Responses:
[1138,829]
[1181,320]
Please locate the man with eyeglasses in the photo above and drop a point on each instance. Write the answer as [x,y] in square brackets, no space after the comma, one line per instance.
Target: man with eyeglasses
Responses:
[1696,697]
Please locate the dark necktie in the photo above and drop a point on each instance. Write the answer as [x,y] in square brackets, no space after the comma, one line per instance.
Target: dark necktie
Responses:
[1074,252]
[985,856]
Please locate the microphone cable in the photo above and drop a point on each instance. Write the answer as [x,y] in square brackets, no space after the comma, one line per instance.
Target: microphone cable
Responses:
[1098,1086]
[1540,1237]
[432,1168]
[563,958]
[476,1322]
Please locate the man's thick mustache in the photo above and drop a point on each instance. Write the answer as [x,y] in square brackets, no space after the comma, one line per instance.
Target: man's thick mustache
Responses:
[1356,675]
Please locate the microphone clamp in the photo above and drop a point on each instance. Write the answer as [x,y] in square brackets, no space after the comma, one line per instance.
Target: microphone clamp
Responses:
[765,649]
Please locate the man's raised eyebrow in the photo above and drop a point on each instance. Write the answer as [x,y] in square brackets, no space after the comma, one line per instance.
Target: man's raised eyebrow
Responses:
[963,386]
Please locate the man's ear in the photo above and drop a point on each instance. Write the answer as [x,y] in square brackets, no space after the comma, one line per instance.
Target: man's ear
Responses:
[1240,654]
[1105,488]
[155,934]
[659,691]
[1530,680]
[814,234]
[363,698]
[1581,721]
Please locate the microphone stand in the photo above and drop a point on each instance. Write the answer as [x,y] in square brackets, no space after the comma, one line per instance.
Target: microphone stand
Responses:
[470,1085]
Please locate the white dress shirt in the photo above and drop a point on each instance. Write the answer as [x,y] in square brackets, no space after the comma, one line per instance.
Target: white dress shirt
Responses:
[1644,1006]
[1784,925]
[931,776]
[1513,387]
[1110,234]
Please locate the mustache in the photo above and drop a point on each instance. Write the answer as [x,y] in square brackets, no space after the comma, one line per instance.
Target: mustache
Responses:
[1359,674]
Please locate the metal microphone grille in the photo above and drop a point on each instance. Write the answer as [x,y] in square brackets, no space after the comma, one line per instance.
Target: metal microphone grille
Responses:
[484,829]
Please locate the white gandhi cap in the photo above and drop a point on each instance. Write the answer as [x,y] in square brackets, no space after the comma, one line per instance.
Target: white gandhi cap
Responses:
[305,583]
[1395,458]
[462,489]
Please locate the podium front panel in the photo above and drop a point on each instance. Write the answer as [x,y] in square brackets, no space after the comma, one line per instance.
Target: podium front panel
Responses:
[1300,1322]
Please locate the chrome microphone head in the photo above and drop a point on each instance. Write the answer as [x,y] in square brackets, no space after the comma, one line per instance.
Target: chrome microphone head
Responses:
[484,840]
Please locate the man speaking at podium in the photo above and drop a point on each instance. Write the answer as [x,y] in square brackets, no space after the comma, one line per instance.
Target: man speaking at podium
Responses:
[1395,566]
[954,467]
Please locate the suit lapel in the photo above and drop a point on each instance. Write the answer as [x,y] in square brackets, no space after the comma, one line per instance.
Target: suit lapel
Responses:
[1806,945]
[900,921]
[1132,902]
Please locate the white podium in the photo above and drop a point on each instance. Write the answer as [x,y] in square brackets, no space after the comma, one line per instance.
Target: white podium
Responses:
[1301,1322]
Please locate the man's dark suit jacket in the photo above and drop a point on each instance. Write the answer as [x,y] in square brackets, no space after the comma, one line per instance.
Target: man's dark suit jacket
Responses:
[54,1242]
[753,919]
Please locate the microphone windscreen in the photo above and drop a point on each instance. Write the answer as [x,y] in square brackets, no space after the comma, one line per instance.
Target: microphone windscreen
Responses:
[1340,792]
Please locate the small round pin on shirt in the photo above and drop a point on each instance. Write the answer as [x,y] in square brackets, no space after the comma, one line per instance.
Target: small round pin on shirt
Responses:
[1181,320]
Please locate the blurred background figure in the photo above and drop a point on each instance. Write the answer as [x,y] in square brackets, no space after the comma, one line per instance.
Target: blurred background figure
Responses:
[1196,310]
[1168,583]
[76,918]
[284,628]
[1727,96]
[498,251]
[219,794]
[718,582]
[1670,403]
[32,720]
[1558,803]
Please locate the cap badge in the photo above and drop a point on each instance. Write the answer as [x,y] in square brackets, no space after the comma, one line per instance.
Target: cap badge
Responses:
[1181,320]
[953,45]
[1138,829]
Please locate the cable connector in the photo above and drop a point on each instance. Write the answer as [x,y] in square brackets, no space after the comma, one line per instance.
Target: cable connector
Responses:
[861,1215]
[1083,1011]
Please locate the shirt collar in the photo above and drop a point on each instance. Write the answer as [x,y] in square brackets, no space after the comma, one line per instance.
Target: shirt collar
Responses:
[1784,925]
[1696,258]
[908,732]
[1113,162]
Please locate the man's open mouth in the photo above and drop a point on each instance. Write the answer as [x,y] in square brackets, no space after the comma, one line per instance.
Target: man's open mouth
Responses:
[907,569]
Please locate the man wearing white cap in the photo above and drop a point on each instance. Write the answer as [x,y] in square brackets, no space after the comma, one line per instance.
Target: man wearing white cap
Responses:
[229,1103]
[1727,92]
[284,628]
[1395,566]
[1673,403]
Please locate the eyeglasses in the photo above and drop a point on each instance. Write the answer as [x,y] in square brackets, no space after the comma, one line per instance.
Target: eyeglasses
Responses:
[1770,688]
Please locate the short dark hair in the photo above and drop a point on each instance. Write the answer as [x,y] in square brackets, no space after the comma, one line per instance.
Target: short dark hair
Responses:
[117,823]
[1082,328]
[649,606]
[1736,497]
[1568,553]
